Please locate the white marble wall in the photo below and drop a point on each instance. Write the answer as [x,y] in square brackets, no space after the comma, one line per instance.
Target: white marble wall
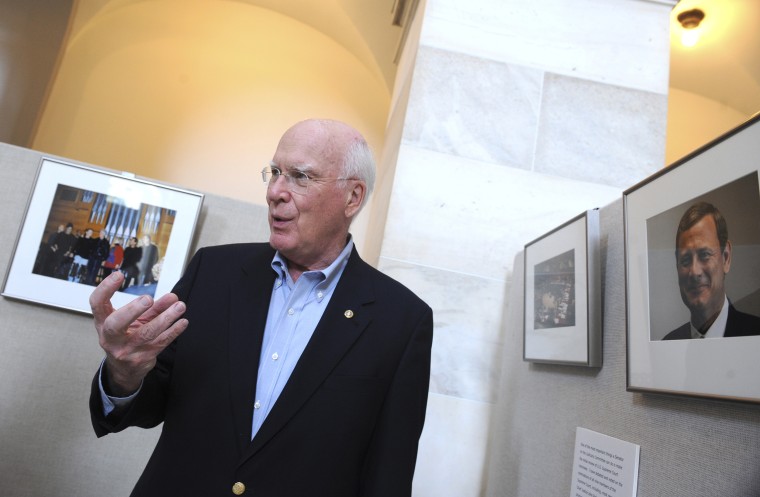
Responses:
[521,115]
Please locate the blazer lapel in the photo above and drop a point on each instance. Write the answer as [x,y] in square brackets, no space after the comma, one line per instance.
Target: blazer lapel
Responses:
[249,305]
[343,321]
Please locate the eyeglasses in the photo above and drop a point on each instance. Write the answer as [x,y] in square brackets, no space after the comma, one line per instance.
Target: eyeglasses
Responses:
[295,181]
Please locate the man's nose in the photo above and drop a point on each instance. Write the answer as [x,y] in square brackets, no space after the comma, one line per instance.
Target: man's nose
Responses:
[277,188]
[695,268]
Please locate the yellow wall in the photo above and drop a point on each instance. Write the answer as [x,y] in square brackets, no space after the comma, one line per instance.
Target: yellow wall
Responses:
[685,133]
[197,93]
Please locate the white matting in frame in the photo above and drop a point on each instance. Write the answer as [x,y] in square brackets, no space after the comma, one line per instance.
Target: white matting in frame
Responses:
[723,173]
[562,295]
[117,204]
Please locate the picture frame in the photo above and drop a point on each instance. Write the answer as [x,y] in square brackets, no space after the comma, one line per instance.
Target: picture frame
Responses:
[76,219]
[562,318]
[674,278]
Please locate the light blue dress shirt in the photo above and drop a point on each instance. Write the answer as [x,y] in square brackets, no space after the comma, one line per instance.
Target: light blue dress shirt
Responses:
[294,312]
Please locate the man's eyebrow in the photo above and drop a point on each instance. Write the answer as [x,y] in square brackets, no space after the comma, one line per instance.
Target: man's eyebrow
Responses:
[303,167]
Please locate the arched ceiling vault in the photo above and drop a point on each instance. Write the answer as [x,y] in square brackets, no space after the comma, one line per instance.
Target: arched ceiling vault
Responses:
[371,30]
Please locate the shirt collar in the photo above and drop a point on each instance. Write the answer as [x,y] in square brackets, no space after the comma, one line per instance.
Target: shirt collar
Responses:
[718,328]
[328,274]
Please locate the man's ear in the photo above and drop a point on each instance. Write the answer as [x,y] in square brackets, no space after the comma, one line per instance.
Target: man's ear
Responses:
[355,197]
[727,257]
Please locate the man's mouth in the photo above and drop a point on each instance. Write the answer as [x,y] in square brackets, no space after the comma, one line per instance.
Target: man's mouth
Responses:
[279,221]
[696,289]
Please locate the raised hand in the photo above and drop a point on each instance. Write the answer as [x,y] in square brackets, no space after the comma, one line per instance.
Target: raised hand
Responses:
[134,335]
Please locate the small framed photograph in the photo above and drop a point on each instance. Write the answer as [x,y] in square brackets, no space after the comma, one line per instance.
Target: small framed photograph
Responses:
[692,258]
[563,295]
[82,224]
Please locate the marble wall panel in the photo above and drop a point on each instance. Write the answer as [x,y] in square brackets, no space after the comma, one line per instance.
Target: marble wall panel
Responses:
[473,107]
[618,42]
[452,452]
[493,83]
[472,217]
[600,133]
[467,311]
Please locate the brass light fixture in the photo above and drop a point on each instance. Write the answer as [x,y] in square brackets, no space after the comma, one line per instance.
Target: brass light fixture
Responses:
[690,20]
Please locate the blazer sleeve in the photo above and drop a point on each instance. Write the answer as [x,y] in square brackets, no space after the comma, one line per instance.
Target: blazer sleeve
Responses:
[391,459]
[147,409]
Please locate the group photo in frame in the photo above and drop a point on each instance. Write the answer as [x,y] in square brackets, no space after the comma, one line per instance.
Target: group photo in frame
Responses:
[692,256]
[84,223]
[562,315]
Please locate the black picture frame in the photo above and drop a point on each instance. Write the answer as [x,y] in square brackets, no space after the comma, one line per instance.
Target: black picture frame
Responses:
[723,173]
[562,295]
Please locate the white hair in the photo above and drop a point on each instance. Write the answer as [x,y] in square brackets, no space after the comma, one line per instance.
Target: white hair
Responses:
[359,163]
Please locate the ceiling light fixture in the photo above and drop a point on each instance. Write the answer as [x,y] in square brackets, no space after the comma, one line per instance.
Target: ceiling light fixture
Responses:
[690,20]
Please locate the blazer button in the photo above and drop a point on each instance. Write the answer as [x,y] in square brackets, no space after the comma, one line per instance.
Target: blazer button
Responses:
[238,488]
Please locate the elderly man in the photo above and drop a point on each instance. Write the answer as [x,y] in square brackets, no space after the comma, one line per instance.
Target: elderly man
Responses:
[703,259]
[286,369]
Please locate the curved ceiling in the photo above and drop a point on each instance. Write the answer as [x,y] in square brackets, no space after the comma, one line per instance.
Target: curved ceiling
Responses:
[728,44]
[724,64]
[365,28]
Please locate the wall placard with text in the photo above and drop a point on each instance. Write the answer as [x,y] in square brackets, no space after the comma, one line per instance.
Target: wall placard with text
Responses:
[604,466]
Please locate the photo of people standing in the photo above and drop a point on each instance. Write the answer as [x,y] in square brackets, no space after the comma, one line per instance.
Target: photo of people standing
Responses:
[89,235]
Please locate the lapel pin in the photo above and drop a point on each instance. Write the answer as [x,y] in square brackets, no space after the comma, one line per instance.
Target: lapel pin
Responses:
[349,314]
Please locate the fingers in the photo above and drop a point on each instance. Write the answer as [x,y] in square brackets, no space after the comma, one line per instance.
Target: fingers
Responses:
[159,306]
[121,319]
[165,338]
[131,348]
[100,299]
[161,323]
[143,327]
[141,317]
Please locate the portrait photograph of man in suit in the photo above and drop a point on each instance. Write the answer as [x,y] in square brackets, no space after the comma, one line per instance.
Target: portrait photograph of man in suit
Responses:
[703,261]
[713,262]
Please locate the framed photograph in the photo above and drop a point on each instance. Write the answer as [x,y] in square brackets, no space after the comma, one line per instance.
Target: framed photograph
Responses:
[82,223]
[563,295]
[692,258]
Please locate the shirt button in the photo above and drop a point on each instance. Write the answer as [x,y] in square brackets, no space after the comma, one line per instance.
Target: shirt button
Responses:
[257,404]
[320,294]
[238,488]
[275,356]
[291,311]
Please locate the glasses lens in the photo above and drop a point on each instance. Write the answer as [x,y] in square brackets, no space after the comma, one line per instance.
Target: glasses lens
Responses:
[270,174]
[296,181]
[299,181]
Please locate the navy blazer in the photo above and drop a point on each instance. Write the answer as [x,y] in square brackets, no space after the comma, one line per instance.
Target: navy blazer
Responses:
[348,422]
[738,324]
